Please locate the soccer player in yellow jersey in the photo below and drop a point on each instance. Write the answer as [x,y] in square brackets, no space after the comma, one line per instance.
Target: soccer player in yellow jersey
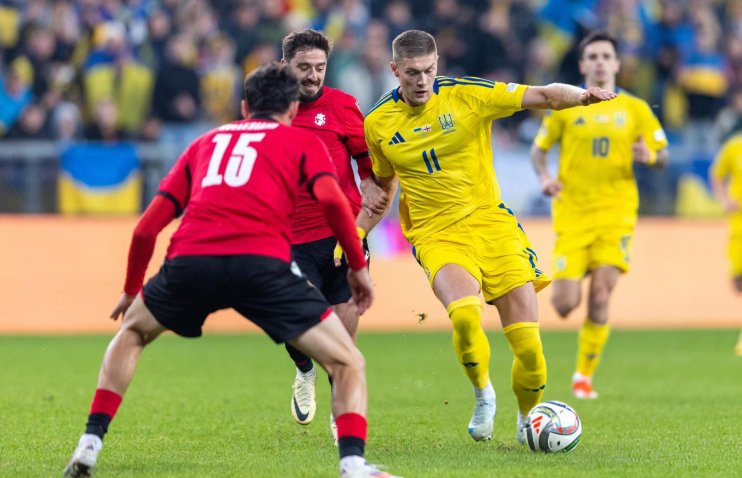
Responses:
[433,135]
[726,181]
[595,195]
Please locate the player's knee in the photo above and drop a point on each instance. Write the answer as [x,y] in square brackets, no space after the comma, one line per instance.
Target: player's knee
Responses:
[530,357]
[599,297]
[563,305]
[466,332]
[350,362]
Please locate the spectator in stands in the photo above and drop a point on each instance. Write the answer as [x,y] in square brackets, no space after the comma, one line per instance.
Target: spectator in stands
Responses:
[368,78]
[176,101]
[104,126]
[220,81]
[32,124]
[66,124]
[159,29]
[398,16]
[15,92]
[111,72]
[701,76]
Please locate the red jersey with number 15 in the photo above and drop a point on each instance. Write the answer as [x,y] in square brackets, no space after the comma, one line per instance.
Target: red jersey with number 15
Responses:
[239,183]
[335,118]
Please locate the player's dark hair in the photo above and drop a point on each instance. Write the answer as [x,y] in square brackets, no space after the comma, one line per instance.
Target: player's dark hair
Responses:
[304,40]
[413,43]
[595,37]
[270,89]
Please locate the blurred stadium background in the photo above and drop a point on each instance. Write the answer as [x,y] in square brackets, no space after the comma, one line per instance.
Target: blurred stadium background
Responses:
[98,97]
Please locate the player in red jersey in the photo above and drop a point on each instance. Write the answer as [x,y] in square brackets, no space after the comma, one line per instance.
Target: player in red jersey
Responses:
[335,118]
[238,185]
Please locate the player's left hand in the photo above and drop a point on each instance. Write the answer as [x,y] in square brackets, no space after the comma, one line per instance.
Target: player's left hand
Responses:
[641,152]
[361,288]
[123,305]
[337,254]
[595,95]
[374,199]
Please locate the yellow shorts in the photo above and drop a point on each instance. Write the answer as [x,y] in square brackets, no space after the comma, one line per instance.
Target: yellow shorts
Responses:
[576,254]
[491,246]
[734,250]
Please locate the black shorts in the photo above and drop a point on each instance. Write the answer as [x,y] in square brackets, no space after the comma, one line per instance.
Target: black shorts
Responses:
[267,291]
[316,261]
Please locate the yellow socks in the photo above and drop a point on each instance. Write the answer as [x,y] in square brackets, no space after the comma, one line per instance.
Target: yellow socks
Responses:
[529,366]
[469,341]
[591,341]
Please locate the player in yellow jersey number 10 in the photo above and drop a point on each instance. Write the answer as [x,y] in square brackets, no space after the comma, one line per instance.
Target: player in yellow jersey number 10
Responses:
[432,133]
[595,195]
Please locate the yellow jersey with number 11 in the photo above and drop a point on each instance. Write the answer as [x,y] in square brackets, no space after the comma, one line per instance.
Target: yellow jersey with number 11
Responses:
[441,151]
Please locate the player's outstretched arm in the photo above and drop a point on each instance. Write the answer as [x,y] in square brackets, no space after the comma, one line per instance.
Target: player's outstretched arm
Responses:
[558,96]
[549,185]
[158,214]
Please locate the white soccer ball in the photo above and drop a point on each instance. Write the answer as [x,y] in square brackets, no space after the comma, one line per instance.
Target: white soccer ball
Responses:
[552,427]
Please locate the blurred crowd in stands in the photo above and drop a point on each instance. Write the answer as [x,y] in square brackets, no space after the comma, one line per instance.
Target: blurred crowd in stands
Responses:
[166,70]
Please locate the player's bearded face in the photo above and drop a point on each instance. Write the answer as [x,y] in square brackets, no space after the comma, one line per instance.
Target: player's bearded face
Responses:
[599,64]
[416,77]
[310,67]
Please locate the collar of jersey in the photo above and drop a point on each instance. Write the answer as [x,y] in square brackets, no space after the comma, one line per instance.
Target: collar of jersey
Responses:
[415,109]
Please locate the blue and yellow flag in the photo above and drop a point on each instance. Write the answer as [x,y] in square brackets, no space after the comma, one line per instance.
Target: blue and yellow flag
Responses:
[100,179]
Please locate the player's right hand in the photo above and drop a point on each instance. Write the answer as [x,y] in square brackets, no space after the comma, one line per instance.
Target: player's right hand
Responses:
[550,187]
[375,199]
[123,305]
[361,288]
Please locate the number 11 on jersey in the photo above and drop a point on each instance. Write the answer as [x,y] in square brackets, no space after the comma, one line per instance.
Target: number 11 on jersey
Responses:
[432,157]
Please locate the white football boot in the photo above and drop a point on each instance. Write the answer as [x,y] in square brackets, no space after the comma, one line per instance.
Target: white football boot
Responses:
[83,459]
[356,467]
[303,400]
[483,419]
[520,431]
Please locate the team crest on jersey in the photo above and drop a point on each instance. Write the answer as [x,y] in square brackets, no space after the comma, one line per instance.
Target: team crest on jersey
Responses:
[423,130]
[320,119]
[620,118]
[446,122]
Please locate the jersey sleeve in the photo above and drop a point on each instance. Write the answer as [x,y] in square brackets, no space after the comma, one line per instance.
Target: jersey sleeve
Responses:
[382,167]
[352,119]
[315,162]
[650,128]
[500,100]
[176,185]
[549,132]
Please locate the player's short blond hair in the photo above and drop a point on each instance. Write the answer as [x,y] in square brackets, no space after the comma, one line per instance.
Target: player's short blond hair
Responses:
[413,43]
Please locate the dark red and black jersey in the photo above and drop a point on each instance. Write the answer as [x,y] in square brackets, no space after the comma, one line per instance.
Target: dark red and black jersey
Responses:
[238,185]
[335,118]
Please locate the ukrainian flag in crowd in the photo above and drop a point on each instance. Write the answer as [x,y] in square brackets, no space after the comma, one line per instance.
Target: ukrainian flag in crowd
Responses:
[100,179]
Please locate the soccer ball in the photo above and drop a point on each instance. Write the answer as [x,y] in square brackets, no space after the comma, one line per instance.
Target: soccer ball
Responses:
[552,426]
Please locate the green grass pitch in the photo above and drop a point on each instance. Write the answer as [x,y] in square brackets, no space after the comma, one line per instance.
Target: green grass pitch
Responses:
[219,406]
